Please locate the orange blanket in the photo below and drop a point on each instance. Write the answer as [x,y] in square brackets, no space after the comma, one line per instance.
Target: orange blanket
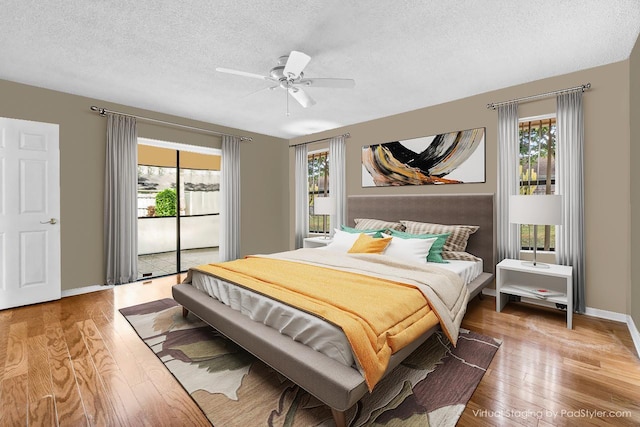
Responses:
[378,316]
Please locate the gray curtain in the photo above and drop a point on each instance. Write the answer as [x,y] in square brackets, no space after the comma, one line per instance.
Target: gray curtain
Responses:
[230,195]
[338,181]
[570,245]
[301,193]
[508,180]
[121,200]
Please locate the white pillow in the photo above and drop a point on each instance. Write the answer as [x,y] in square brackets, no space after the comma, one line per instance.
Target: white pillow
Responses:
[412,250]
[342,241]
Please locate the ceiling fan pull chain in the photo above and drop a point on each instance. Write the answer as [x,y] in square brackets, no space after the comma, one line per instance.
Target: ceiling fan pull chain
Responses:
[286,93]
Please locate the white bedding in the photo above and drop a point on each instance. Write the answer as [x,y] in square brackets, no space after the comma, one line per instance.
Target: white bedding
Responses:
[299,325]
[468,270]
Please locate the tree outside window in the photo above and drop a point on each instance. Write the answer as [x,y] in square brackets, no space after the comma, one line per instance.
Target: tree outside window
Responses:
[537,173]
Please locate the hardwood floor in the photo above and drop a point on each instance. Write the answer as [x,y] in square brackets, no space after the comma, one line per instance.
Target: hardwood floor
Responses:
[78,362]
[545,374]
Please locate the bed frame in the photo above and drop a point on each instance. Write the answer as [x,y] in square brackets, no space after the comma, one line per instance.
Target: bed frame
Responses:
[337,385]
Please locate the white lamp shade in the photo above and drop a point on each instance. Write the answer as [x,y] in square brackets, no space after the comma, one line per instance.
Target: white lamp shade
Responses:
[322,206]
[536,209]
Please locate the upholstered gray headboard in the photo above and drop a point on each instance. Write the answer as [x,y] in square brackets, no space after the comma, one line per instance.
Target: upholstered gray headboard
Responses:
[467,209]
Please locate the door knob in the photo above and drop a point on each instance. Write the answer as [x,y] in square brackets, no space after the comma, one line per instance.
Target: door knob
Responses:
[51,221]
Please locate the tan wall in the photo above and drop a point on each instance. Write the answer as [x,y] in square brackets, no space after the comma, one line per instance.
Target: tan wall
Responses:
[607,180]
[265,175]
[82,159]
[634,78]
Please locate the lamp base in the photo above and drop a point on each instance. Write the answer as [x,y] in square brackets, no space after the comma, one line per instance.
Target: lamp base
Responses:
[536,264]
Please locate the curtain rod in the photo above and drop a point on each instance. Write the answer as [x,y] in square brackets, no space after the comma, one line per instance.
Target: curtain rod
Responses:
[103,112]
[582,88]
[345,135]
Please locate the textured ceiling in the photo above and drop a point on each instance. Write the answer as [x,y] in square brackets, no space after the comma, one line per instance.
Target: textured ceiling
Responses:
[162,55]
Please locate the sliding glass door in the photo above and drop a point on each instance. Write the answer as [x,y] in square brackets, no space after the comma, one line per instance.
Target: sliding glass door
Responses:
[199,223]
[178,209]
[157,228]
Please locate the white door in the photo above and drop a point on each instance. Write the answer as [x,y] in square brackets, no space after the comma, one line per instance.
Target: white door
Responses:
[29,213]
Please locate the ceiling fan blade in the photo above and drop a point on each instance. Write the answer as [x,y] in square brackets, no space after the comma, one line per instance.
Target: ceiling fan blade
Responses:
[243,73]
[295,64]
[260,90]
[301,96]
[334,83]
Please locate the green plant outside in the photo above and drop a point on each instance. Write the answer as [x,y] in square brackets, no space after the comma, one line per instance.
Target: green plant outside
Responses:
[166,202]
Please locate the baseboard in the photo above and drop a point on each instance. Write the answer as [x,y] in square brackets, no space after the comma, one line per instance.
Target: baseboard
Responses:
[601,314]
[605,314]
[85,290]
[635,335]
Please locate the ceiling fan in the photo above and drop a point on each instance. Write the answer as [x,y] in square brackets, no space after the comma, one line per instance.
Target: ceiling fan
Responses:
[288,74]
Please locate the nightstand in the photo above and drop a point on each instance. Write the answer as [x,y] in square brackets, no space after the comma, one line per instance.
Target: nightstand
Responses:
[515,278]
[316,242]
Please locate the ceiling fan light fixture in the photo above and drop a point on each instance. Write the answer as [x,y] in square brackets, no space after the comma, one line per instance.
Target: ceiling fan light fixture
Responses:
[288,74]
[277,72]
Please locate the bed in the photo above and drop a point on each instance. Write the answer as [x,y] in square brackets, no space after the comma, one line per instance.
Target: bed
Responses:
[333,382]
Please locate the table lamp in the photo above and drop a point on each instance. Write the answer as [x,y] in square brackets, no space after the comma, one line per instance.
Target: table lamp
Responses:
[543,209]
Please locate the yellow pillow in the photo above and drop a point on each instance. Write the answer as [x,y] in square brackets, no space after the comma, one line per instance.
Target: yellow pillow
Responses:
[369,245]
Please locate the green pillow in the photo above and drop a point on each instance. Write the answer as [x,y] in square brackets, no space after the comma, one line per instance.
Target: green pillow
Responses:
[373,232]
[435,252]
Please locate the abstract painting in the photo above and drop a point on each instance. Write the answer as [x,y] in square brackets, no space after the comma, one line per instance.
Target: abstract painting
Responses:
[448,158]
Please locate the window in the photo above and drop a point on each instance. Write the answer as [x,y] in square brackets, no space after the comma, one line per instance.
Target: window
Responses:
[318,187]
[538,173]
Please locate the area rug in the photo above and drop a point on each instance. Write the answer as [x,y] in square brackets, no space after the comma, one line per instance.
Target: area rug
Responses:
[233,388]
